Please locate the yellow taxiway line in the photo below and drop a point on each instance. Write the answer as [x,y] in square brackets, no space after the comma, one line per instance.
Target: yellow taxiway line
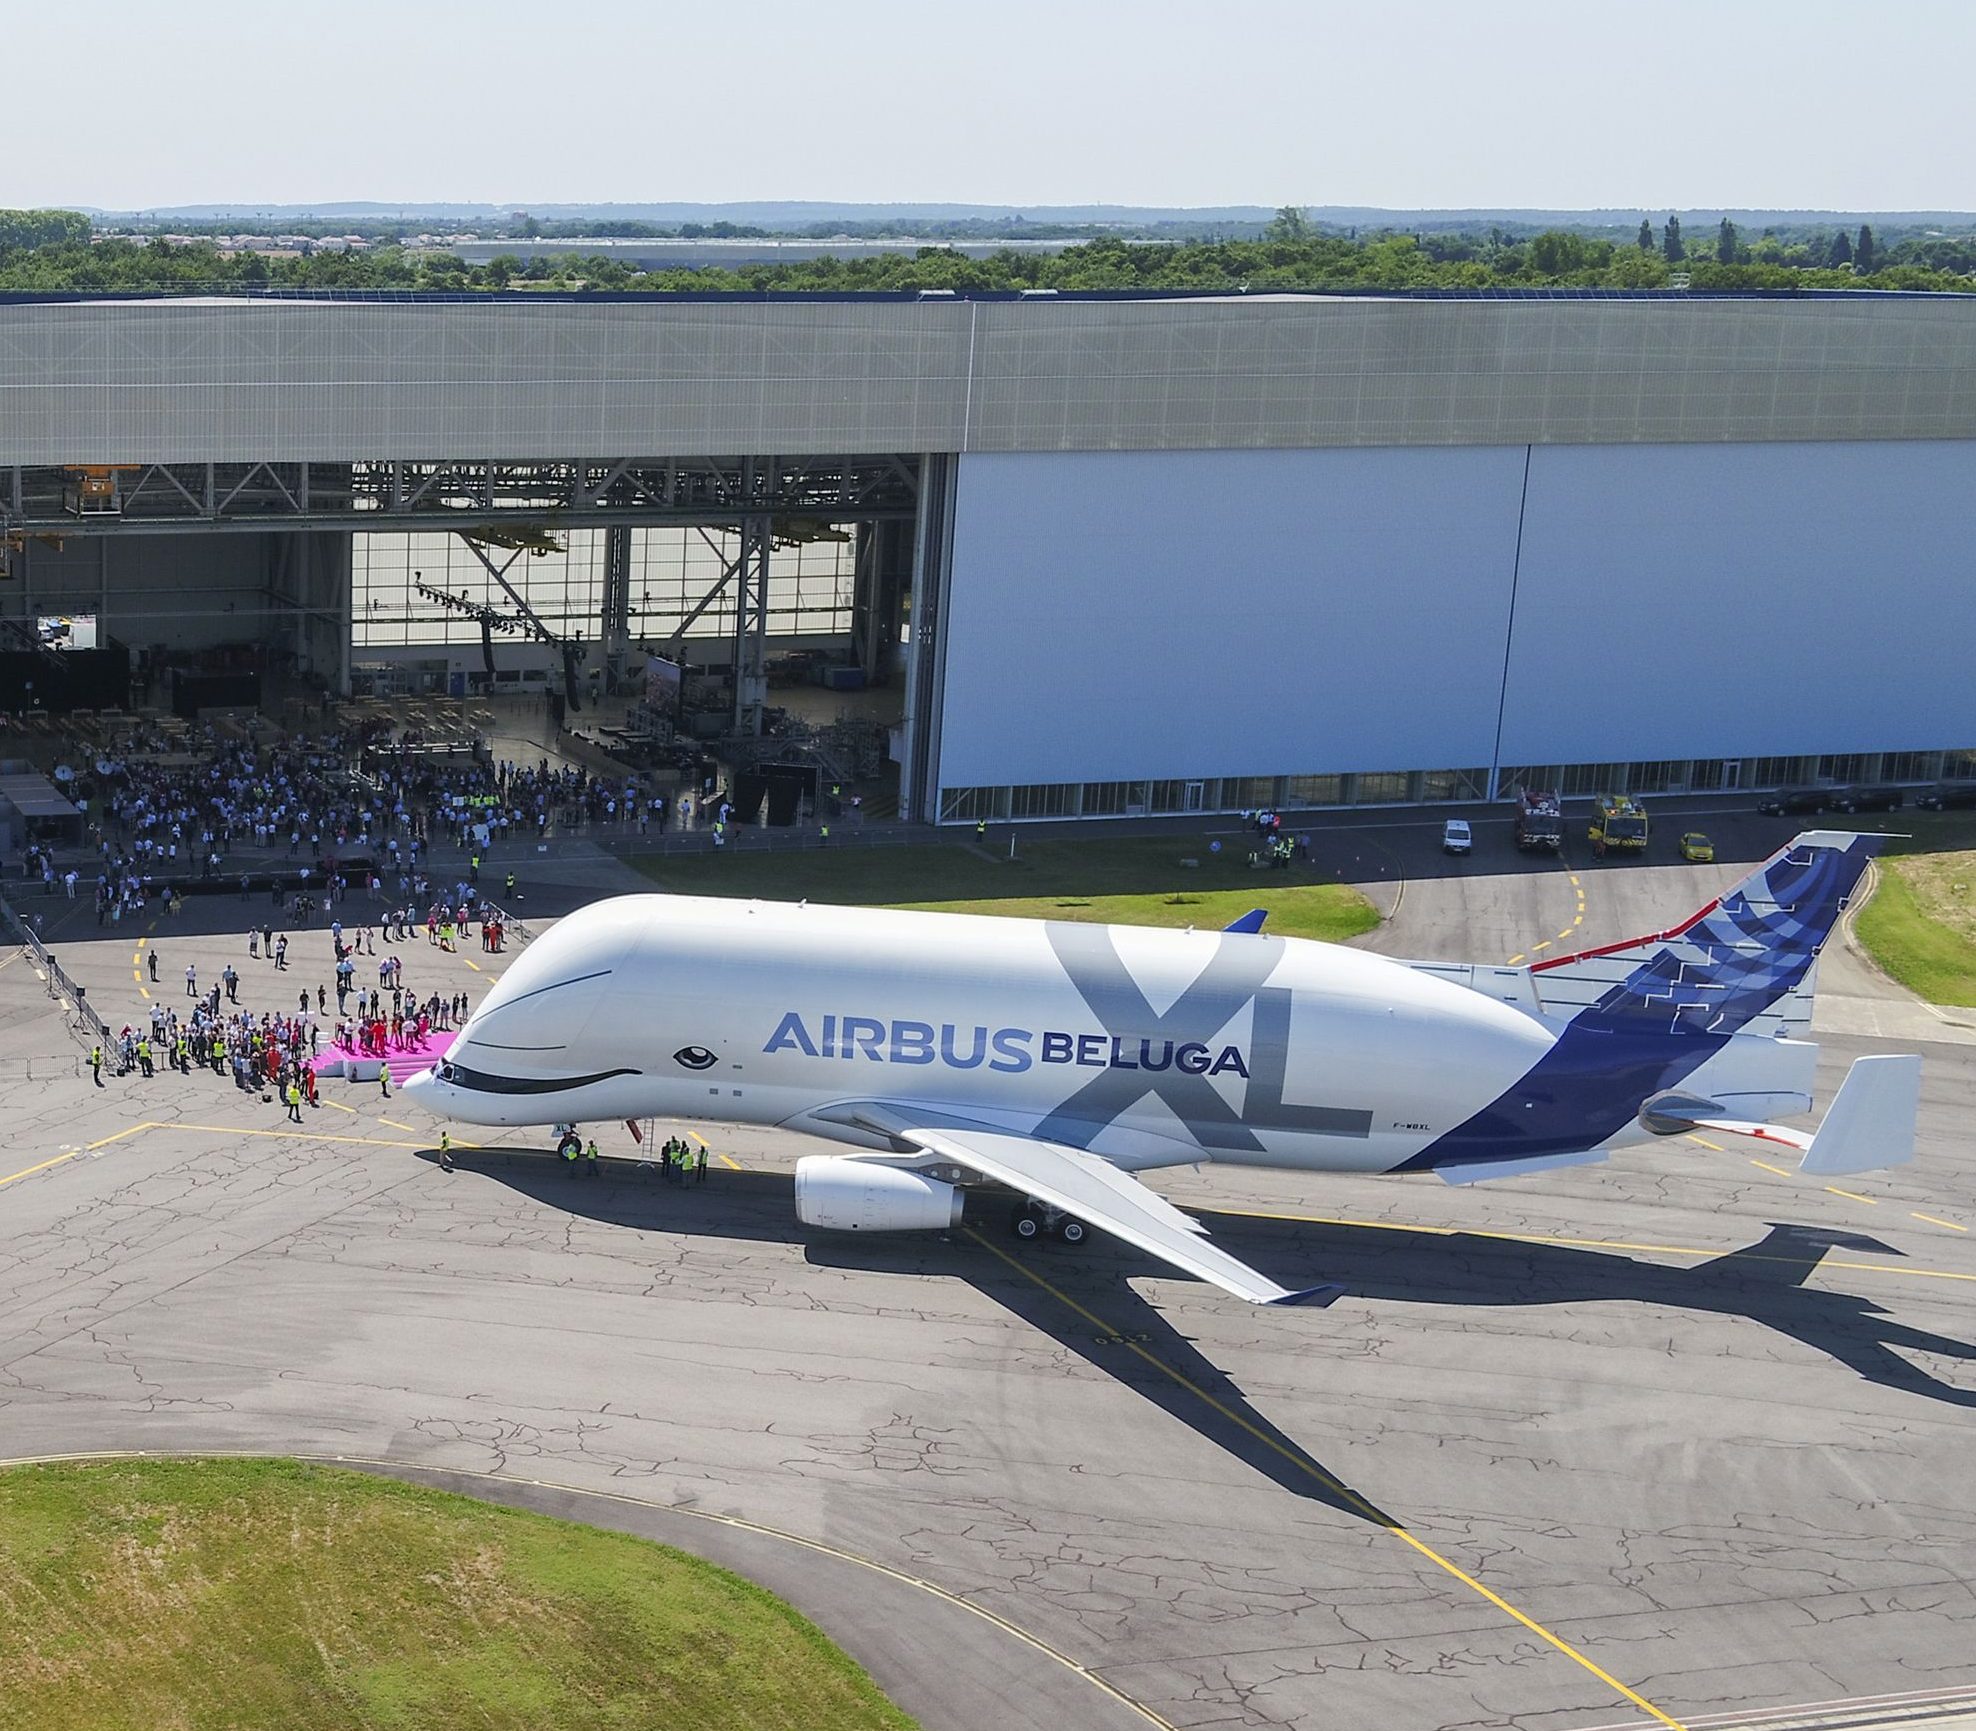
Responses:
[75,1153]
[297,1135]
[1833,1189]
[1339,1489]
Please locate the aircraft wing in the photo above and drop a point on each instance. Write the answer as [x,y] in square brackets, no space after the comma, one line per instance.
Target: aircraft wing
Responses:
[1096,1192]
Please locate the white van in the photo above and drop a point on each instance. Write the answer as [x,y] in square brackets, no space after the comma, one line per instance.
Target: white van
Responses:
[1455,837]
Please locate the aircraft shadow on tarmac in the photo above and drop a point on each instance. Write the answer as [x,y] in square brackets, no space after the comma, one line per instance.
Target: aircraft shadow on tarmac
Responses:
[1089,1308]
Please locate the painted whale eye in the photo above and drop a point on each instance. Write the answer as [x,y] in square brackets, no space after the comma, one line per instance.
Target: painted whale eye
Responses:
[695,1058]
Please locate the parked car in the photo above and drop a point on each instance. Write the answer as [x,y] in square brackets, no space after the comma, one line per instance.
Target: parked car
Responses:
[1865,799]
[1697,849]
[1793,802]
[1456,837]
[1949,796]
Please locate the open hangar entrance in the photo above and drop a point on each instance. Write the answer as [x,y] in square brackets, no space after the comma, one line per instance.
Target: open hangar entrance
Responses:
[750,608]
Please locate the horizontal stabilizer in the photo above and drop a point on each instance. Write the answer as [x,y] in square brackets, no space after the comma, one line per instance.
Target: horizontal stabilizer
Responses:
[1868,1127]
[1474,1171]
[1871,1123]
[1249,922]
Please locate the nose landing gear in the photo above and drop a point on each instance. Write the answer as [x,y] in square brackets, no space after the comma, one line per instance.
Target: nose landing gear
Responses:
[1032,1219]
[570,1144]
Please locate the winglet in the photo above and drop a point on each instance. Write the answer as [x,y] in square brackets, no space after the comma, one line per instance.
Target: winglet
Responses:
[1249,922]
[1870,1123]
[1316,1296]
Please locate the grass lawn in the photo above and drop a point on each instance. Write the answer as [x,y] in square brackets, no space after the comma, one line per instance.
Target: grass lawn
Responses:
[267,1593]
[1920,925]
[1128,880]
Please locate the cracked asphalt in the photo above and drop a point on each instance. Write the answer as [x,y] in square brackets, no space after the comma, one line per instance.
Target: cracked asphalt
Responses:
[1707,1429]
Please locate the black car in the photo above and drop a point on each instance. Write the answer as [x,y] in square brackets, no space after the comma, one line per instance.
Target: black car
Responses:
[1793,802]
[1865,799]
[1949,796]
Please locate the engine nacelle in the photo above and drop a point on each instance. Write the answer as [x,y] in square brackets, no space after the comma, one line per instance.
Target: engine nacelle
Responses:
[845,1195]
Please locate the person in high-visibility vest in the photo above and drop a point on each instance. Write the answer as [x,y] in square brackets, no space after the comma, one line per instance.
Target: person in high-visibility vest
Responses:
[96,1062]
[446,1150]
[590,1157]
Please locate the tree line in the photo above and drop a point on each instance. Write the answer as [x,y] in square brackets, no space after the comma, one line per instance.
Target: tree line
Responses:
[51,252]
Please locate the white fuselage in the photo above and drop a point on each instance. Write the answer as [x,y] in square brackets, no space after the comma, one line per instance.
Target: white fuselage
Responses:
[1149,1047]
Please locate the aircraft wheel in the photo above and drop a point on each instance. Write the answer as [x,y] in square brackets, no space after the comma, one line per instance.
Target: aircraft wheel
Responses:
[1026,1224]
[1072,1231]
[570,1146]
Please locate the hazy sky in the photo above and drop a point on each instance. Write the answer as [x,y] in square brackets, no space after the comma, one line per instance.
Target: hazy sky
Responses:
[1840,104]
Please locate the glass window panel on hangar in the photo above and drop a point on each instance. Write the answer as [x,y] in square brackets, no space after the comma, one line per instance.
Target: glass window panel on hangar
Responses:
[672,569]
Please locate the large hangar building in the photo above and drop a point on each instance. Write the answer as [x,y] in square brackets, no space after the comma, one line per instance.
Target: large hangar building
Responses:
[1119,556]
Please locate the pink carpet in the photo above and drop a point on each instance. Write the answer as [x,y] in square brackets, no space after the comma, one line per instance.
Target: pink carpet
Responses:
[401,1061]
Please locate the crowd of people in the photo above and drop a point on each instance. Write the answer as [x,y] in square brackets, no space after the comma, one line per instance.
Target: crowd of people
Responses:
[273,1052]
[327,821]
[404,1025]
[362,791]
[266,1052]
[1276,847]
[478,801]
[348,820]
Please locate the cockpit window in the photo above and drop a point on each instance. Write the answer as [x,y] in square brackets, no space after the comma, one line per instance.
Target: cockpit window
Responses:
[502,1005]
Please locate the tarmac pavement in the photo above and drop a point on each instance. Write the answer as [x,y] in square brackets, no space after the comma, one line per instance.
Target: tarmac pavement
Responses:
[1677,1439]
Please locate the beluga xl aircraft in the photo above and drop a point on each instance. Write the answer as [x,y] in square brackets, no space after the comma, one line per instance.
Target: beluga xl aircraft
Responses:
[1060,1060]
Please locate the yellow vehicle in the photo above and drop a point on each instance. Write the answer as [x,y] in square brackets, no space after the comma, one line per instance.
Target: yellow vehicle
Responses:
[1697,849]
[1619,824]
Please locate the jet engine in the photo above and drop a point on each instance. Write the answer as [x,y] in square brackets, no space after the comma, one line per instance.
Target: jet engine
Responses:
[846,1195]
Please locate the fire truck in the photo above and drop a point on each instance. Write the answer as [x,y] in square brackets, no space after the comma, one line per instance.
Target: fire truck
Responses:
[1539,820]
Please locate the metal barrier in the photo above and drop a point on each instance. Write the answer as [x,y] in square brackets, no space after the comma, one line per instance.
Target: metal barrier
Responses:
[59,983]
[510,926]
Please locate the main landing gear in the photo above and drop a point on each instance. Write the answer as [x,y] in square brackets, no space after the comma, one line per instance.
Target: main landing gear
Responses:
[1032,1219]
[570,1145]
